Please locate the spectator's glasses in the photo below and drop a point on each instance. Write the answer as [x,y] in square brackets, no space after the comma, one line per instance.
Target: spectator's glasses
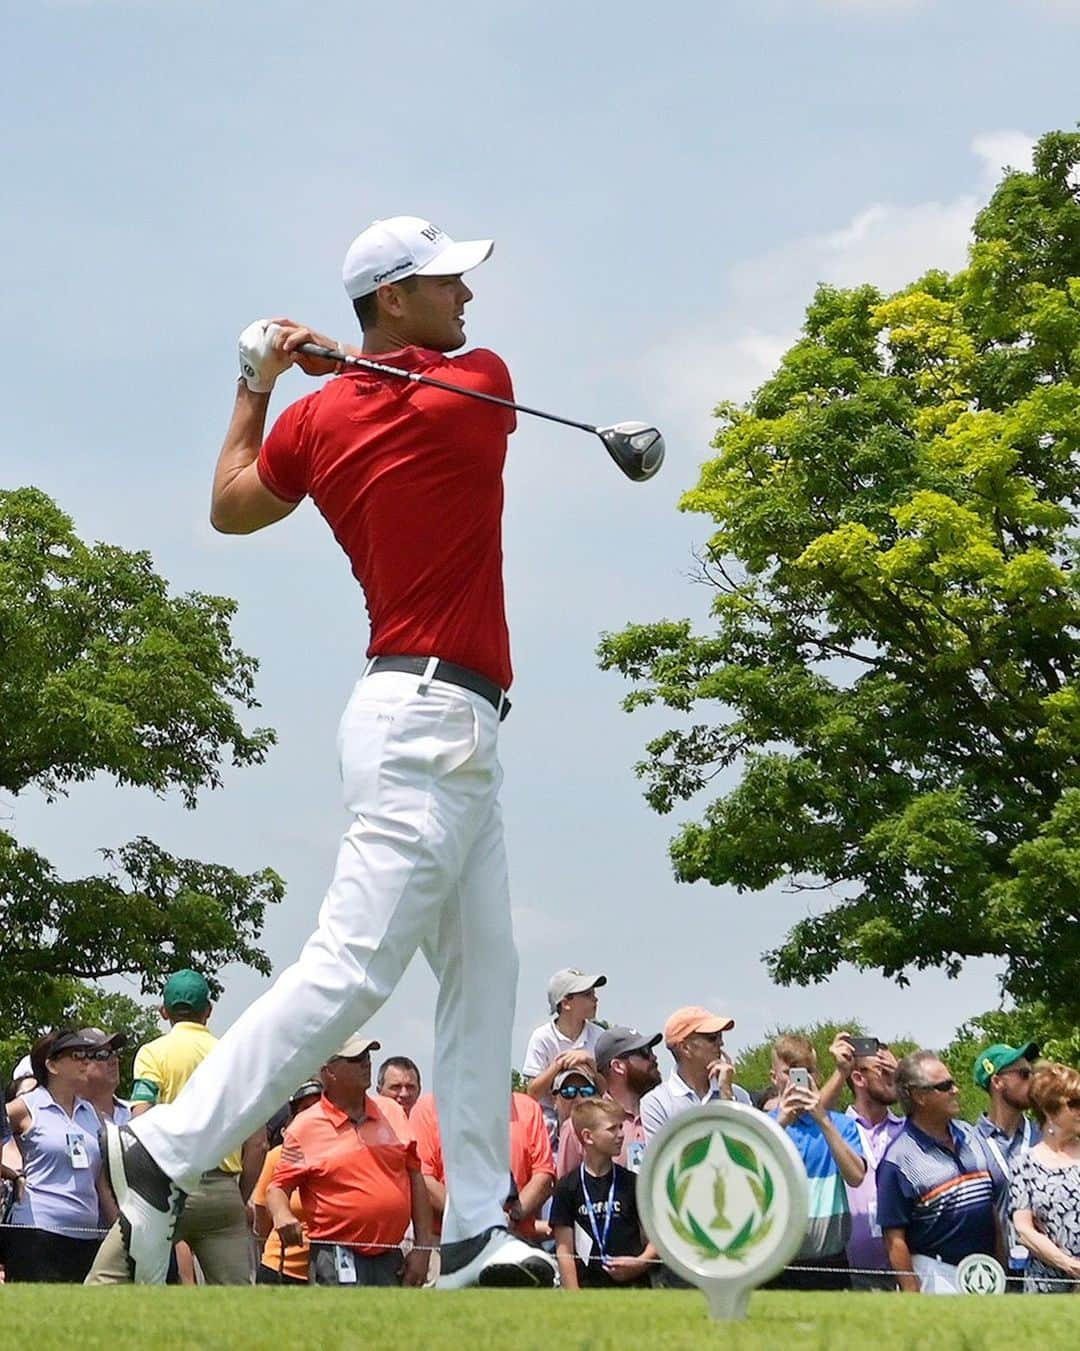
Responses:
[944,1086]
[1073,1104]
[102,1053]
[570,1091]
[1021,1072]
[641,1053]
[364,1058]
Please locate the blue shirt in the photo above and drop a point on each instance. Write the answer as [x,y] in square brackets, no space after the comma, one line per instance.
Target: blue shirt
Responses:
[944,1199]
[829,1225]
[61,1161]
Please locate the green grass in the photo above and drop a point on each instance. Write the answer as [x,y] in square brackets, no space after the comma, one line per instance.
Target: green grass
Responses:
[114,1319]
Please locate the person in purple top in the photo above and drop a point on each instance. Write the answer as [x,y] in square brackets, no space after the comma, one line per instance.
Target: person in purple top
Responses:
[63,1197]
[873,1086]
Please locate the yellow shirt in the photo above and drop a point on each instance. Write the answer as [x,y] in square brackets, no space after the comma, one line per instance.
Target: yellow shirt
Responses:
[170,1061]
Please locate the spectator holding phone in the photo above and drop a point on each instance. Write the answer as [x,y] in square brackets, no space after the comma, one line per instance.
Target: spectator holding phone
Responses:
[831,1151]
[872,1079]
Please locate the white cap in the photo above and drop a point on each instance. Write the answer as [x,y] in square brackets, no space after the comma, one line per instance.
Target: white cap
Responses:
[406,246]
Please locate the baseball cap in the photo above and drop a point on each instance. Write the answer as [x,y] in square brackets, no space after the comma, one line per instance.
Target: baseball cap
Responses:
[999,1057]
[23,1070]
[693,1018]
[308,1089]
[406,246]
[582,1072]
[186,989]
[356,1045]
[102,1039]
[619,1041]
[570,981]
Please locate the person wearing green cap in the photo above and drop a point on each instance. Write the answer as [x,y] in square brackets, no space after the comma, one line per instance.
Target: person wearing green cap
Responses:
[1005,1073]
[214,1223]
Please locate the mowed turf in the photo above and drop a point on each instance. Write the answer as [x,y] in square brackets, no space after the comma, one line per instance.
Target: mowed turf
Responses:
[74,1319]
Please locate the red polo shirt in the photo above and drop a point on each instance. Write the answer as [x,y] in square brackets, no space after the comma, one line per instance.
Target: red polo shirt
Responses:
[409,479]
[352,1176]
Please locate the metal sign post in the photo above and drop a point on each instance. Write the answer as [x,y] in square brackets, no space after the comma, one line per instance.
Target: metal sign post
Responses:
[723,1195]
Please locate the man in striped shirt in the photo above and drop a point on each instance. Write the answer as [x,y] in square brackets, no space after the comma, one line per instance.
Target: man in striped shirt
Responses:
[937,1195]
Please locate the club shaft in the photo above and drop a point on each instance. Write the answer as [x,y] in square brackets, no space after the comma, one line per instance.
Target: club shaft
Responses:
[381,368]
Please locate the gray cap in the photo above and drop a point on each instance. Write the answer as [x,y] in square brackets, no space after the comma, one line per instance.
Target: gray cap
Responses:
[617,1042]
[570,981]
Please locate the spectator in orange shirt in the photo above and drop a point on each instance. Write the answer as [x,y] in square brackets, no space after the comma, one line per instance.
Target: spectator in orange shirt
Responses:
[352,1159]
[532,1166]
[277,1266]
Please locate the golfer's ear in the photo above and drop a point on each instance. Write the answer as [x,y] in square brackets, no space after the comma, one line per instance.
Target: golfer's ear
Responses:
[390,300]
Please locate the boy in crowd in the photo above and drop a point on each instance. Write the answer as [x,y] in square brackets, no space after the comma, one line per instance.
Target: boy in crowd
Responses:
[567,1040]
[594,1216]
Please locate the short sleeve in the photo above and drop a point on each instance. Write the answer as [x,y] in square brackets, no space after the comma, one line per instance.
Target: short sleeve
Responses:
[146,1075]
[849,1130]
[285,456]
[425,1127]
[292,1164]
[653,1112]
[536,1057]
[258,1196]
[541,1159]
[1020,1187]
[564,1203]
[895,1197]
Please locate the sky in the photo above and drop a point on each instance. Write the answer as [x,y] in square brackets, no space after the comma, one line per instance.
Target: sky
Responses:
[665,188]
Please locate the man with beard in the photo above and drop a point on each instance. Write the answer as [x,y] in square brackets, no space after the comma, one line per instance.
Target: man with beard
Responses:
[627,1061]
[1005,1073]
[873,1085]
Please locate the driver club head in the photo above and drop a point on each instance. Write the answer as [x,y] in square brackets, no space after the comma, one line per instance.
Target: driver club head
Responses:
[636,448]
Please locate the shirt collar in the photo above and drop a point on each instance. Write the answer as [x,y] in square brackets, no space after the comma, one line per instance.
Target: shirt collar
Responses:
[890,1119]
[987,1127]
[337,1117]
[931,1141]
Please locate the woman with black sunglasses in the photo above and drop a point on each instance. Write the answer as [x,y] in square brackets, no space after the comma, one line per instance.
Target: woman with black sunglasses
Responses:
[63,1200]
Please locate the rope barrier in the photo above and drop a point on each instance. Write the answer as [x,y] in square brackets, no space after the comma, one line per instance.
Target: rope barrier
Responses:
[98,1233]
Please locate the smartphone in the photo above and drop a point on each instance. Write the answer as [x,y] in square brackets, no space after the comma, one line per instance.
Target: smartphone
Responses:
[865,1046]
[799,1077]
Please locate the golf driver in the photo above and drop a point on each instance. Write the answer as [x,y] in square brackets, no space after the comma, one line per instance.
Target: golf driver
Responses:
[638,450]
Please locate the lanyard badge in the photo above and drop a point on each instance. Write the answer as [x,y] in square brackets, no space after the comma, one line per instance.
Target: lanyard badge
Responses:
[600,1237]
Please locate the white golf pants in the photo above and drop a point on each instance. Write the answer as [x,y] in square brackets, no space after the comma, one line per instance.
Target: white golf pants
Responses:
[421,865]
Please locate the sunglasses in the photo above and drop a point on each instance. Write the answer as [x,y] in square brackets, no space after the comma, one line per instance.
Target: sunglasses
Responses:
[363,1058]
[1023,1072]
[944,1086]
[570,1091]
[104,1053]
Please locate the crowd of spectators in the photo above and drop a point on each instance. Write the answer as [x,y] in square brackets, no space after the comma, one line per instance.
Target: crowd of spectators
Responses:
[346,1186]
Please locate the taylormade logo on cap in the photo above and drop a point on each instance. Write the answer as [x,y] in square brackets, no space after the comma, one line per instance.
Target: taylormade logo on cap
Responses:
[406,246]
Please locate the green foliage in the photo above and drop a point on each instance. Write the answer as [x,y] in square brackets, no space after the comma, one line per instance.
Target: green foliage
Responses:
[892,683]
[103,672]
[74,1004]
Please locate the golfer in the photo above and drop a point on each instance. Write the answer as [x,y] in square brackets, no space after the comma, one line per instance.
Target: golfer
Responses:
[409,479]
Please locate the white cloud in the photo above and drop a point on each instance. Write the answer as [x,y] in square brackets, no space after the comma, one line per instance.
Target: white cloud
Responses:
[886,243]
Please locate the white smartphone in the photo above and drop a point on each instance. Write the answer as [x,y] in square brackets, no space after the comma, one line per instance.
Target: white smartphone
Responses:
[799,1077]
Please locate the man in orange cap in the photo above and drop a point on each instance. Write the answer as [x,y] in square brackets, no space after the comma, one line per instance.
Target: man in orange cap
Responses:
[703,1071]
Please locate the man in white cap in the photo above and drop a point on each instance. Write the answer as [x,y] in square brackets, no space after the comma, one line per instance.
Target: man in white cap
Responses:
[409,479]
[567,1040]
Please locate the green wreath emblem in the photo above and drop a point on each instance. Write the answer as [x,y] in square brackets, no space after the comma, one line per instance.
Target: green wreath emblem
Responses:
[689,1227]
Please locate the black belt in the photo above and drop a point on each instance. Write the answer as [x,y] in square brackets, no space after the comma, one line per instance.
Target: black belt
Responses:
[452,674]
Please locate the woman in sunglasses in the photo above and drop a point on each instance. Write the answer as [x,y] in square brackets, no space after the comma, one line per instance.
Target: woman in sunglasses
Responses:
[1045,1191]
[63,1199]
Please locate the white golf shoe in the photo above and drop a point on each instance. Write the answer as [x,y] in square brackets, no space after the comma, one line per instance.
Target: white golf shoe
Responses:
[495,1258]
[148,1200]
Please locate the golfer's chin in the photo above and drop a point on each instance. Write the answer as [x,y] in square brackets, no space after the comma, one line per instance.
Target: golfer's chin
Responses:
[450,339]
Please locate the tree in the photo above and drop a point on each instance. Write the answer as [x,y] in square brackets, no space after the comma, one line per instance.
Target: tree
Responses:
[892,677]
[102,671]
[753,1065]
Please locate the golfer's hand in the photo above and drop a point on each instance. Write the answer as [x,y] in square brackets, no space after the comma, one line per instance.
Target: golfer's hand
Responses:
[289,337]
[262,358]
[843,1053]
[291,1234]
[722,1069]
[416,1267]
